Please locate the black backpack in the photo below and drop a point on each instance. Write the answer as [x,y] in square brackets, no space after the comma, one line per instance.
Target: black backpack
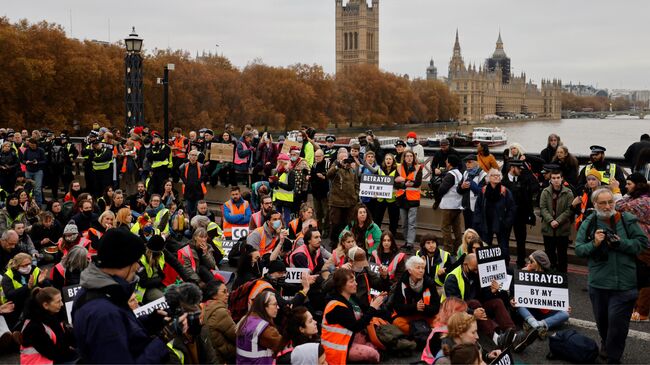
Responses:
[420,332]
[57,156]
[572,346]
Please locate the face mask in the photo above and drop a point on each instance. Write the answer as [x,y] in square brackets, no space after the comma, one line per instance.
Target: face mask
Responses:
[147,238]
[88,214]
[277,225]
[71,238]
[299,139]
[293,158]
[279,282]
[256,269]
[410,140]
[25,270]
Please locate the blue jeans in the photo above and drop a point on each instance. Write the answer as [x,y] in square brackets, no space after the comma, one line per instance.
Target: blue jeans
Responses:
[38,184]
[190,207]
[409,218]
[553,319]
[612,310]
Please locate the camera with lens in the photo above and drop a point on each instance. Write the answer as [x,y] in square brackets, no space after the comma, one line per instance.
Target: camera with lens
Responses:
[611,239]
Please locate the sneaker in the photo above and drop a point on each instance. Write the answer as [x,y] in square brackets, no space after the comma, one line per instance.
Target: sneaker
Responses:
[505,339]
[542,332]
[637,317]
[523,339]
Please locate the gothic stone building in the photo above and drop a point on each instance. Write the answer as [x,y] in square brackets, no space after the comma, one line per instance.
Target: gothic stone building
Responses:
[491,89]
[357,33]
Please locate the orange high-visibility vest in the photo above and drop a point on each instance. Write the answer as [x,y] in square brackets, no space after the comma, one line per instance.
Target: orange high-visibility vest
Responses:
[259,287]
[412,194]
[180,144]
[294,225]
[241,210]
[335,338]
[198,168]
[264,246]
[583,208]
[305,250]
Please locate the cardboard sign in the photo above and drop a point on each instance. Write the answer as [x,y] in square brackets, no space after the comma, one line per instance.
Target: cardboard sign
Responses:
[294,274]
[286,146]
[151,307]
[69,293]
[374,267]
[505,358]
[221,152]
[239,232]
[492,266]
[541,290]
[375,186]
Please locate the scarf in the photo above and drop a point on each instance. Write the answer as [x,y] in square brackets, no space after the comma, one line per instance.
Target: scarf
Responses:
[416,287]
[493,194]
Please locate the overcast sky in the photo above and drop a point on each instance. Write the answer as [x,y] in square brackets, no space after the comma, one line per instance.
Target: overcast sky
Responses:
[598,42]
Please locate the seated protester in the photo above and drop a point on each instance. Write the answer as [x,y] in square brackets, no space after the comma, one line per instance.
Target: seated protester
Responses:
[45,339]
[437,261]
[366,233]
[160,269]
[124,219]
[541,319]
[260,217]
[466,353]
[389,256]
[71,238]
[73,192]
[56,208]
[265,238]
[462,330]
[8,343]
[215,236]
[12,212]
[169,194]
[448,308]
[44,234]
[249,266]
[29,205]
[309,255]
[308,354]
[300,328]
[203,211]
[415,296]
[469,235]
[218,320]
[8,249]
[104,201]
[83,197]
[68,271]
[17,282]
[236,213]
[258,190]
[25,243]
[139,201]
[141,223]
[307,225]
[160,215]
[344,321]
[340,253]
[85,218]
[117,202]
[197,256]
[193,345]
[486,305]
[257,336]
[105,222]
[295,226]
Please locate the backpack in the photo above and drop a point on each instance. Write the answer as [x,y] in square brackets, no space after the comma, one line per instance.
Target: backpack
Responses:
[237,250]
[238,300]
[57,156]
[572,346]
[420,332]
[387,336]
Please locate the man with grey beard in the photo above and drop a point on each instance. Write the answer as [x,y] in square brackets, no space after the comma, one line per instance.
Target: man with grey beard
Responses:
[611,241]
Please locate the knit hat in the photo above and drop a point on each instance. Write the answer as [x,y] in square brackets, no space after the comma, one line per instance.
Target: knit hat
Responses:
[411,135]
[71,228]
[156,243]
[637,178]
[294,148]
[277,266]
[118,249]
[595,173]
[137,130]
[284,157]
[541,259]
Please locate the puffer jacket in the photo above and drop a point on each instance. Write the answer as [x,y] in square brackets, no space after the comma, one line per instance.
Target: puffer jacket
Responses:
[222,330]
[562,213]
[344,192]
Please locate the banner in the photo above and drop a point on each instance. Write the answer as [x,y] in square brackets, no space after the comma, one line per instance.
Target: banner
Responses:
[286,146]
[151,307]
[375,186]
[492,266]
[69,293]
[221,152]
[227,246]
[505,358]
[239,232]
[294,274]
[541,290]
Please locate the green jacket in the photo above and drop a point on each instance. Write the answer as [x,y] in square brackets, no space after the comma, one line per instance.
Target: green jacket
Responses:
[617,269]
[562,213]
[372,235]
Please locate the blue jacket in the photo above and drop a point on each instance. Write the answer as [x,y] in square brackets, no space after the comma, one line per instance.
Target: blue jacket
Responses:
[37,155]
[106,329]
[503,214]
[237,218]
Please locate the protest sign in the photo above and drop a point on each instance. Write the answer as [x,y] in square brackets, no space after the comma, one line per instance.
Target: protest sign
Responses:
[375,186]
[151,307]
[286,146]
[227,246]
[294,274]
[239,232]
[505,358]
[221,152]
[374,267]
[492,266]
[69,293]
[541,290]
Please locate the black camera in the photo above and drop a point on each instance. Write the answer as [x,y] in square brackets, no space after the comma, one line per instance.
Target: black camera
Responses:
[349,160]
[193,324]
[369,132]
[611,239]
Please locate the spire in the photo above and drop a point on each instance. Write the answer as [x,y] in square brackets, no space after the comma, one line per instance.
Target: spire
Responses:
[457,44]
[498,51]
[499,41]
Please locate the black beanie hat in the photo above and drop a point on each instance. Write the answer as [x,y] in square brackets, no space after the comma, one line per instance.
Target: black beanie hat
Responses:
[277,266]
[118,249]
[156,243]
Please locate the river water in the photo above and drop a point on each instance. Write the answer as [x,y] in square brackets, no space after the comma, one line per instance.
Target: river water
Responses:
[577,134]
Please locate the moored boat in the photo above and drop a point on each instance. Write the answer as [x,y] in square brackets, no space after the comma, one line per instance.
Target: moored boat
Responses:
[492,136]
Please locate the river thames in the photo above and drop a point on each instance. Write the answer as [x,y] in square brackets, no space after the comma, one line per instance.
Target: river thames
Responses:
[577,134]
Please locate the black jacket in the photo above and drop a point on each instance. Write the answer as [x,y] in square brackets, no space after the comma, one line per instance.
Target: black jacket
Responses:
[320,188]
[193,190]
[34,335]
[37,155]
[405,299]
[523,190]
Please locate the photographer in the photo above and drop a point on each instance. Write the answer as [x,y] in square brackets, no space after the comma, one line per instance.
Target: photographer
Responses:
[344,192]
[611,241]
[190,342]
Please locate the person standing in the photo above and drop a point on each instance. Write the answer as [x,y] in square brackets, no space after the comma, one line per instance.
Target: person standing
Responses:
[608,171]
[34,160]
[388,168]
[611,241]
[160,158]
[412,144]
[179,149]
[344,193]
[555,209]
[101,159]
[283,183]
[408,195]
[194,178]
[9,164]
[451,204]
[320,189]
[470,188]
[553,143]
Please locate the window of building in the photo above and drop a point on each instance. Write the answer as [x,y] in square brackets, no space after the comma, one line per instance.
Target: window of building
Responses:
[465,85]
[356,40]
[345,35]
[465,99]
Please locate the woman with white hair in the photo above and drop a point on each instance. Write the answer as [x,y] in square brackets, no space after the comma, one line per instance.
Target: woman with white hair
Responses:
[415,297]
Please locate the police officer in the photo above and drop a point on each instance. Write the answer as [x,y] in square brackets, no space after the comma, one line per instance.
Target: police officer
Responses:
[329,152]
[101,160]
[86,152]
[160,157]
[400,146]
[607,170]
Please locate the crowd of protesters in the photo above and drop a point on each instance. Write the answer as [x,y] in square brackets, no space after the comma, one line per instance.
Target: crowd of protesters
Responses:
[135,228]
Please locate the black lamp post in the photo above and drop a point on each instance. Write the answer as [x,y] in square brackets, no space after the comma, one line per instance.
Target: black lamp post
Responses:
[133,97]
[165,82]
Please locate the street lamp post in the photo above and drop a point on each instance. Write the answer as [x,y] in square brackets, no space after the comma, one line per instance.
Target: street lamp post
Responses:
[133,81]
[165,82]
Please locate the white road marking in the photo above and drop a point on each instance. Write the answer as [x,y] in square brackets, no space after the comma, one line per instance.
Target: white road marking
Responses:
[592,325]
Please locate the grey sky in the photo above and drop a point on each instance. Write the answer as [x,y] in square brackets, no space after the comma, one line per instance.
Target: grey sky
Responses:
[589,41]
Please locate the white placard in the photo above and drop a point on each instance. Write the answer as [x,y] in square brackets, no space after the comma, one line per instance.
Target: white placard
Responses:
[375,186]
[239,232]
[69,293]
[159,303]
[374,267]
[541,290]
[492,266]
[227,246]
[294,274]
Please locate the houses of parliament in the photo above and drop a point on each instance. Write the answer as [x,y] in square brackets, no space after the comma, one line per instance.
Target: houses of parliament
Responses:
[484,92]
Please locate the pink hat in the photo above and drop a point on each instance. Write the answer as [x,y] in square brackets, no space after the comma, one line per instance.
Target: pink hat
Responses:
[284,157]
